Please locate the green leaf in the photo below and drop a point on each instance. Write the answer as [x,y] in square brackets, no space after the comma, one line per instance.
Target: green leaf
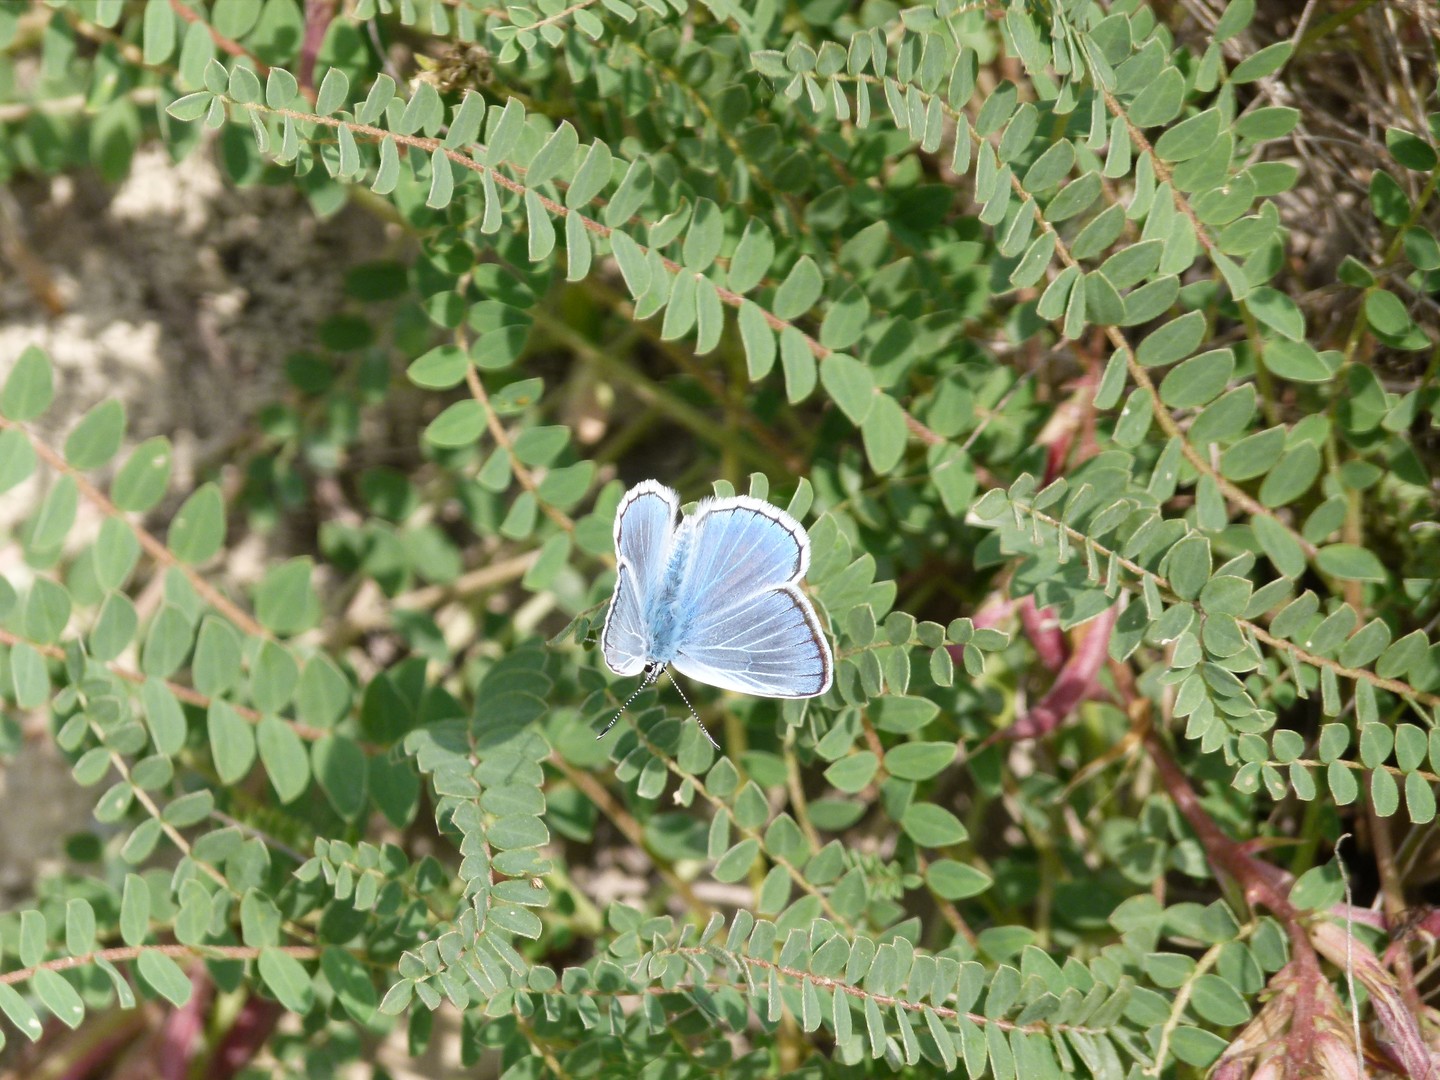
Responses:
[232,742]
[29,678]
[17,458]
[704,237]
[1161,102]
[1412,151]
[285,601]
[736,862]
[539,226]
[919,760]
[1419,798]
[458,425]
[284,756]
[1273,122]
[324,693]
[1234,19]
[1074,198]
[190,106]
[29,388]
[1218,1002]
[1188,566]
[884,433]
[591,178]
[51,524]
[273,675]
[1296,361]
[18,1011]
[1384,793]
[1265,62]
[1196,1047]
[1388,200]
[758,340]
[197,530]
[932,826]
[1253,455]
[164,976]
[244,85]
[216,665]
[1173,341]
[287,979]
[281,88]
[33,936]
[351,983]
[1386,313]
[334,90]
[189,809]
[846,320]
[142,481]
[163,716]
[1422,249]
[955,880]
[800,290]
[1292,476]
[1199,380]
[853,772]
[1049,168]
[850,385]
[1351,563]
[134,910]
[79,927]
[339,766]
[58,996]
[442,180]
[1277,311]
[1191,137]
[158,32]
[752,258]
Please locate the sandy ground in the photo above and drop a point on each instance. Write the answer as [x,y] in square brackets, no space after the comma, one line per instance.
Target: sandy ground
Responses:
[181,296]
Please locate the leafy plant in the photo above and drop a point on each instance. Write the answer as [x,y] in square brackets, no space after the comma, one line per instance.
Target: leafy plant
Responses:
[1120,498]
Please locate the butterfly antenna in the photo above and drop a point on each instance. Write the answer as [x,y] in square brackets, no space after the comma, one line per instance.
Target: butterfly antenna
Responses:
[693,713]
[650,677]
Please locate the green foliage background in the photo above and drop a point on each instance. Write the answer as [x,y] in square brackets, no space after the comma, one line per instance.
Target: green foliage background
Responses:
[1122,520]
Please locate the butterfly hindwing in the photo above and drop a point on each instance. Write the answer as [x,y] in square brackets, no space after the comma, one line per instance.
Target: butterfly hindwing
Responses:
[623,642]
[749,627]
[770,644]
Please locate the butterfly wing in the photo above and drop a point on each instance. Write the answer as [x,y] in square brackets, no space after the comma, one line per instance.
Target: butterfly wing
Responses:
[771,645]
[644,529]
[751,629]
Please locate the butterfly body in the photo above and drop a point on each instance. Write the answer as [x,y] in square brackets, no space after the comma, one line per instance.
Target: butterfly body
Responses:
[715,595]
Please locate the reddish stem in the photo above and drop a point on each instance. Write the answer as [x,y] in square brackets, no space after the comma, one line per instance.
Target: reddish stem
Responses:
[179,1035]
[1075,683]
[1042,627]
[254,1023]
[317,20]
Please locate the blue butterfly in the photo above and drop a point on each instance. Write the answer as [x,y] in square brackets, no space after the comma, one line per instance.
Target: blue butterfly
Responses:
[715,595]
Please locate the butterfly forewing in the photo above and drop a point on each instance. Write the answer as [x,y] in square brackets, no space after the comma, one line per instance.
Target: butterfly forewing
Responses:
[644,529]
[740,546]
